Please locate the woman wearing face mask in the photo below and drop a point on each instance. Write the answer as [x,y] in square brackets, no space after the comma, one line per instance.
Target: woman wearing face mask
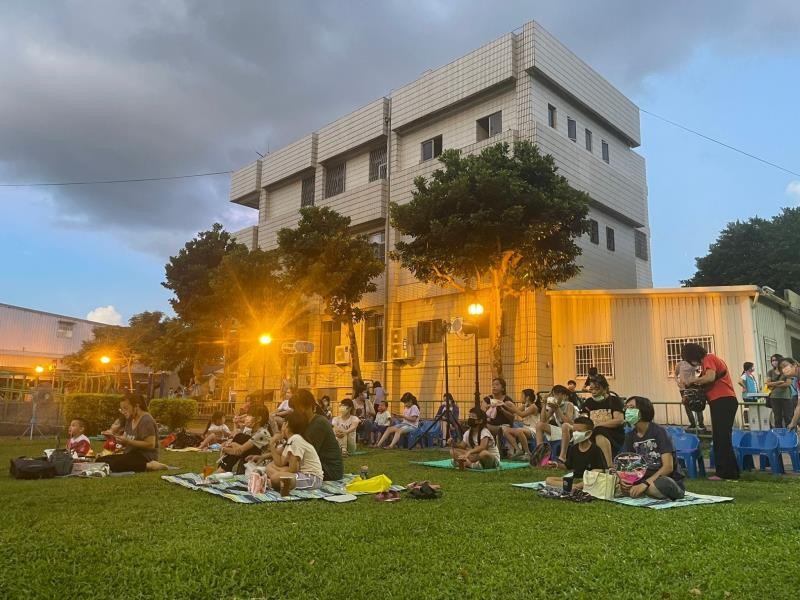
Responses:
[583,454]
[477,450]
[606,411]
[663,477]
[791,369]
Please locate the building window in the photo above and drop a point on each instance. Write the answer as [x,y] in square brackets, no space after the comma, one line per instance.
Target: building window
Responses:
[65,329]
[431,148]
[640,244]
[307,193]
[429,332]
[373,337]
[600,356]
[551,115]
[572,129]
[605,151]
[378,241]
[674,345]
[594,231]
[331,337]
[588,140]
[334,179]
[489,126]
[377,164]
[610,239]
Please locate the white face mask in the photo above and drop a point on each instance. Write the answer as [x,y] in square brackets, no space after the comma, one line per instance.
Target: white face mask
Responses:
[580,436]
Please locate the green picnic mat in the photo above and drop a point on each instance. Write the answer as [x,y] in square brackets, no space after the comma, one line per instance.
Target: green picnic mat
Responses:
[447,463]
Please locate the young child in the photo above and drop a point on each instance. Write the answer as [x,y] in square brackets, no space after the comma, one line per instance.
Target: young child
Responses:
[748,381]
[583,454]
[78,443]
[478,449]
[409,423]
[325,407]
[216,432]
[383,420]
[282,411]
[518,438]
[345,426]
[295,464]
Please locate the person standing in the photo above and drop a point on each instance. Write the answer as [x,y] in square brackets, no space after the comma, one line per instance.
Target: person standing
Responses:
[780,392]
[748,381]
[722,403]
[791,369]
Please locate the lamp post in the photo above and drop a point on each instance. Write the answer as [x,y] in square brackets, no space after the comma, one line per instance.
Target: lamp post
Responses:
[265,340]
[105,360]
[476,310]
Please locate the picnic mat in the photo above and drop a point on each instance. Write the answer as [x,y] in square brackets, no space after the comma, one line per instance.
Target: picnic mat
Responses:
[188,449]
[235,489]
[447,463]
[690,499]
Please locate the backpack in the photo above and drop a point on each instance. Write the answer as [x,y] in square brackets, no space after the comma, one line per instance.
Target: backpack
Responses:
[25,467]
[61,461]
[183,439]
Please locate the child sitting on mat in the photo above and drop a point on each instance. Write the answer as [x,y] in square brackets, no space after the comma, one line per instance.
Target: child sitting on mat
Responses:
[295,463]
[217,431]
[583,454]
[478,449]
[78,443]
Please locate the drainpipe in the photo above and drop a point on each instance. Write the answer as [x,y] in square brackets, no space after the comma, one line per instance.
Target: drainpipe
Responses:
[386,231]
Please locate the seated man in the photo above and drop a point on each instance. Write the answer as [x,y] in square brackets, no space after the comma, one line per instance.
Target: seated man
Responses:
[663,478]
[583,454]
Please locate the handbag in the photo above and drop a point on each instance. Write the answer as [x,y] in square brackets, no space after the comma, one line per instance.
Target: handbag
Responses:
[695,397]
[600,484]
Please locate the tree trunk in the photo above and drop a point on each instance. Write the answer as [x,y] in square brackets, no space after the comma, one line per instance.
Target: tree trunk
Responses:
[130,375]
[351,333]
[496,325]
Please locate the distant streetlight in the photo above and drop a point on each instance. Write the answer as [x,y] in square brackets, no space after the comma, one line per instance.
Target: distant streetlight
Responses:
[265,340]
[476,310]
[39,369]
[105,359]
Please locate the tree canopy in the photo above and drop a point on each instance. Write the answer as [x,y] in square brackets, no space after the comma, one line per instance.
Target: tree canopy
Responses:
[754,252]
[502,219]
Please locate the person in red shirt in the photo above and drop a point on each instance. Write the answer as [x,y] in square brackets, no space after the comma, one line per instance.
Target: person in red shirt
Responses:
[78,442]
[722,403]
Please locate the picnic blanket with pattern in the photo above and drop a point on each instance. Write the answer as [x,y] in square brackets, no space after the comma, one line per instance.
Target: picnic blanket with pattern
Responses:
[447,463]
[690,499]
[235,489]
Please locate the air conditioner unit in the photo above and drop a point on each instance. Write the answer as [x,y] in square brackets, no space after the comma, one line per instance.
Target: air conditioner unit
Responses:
[341,355]
[401,346]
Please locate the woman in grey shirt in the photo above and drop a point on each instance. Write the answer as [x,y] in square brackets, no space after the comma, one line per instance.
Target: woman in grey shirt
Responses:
[780,393]
[139,440]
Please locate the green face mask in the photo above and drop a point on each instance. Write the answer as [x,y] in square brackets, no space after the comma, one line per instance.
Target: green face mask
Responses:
[631,416]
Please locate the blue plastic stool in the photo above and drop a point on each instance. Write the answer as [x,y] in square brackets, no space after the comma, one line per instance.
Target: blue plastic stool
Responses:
[687,447]
[763,444]
[736,440]
[788,443]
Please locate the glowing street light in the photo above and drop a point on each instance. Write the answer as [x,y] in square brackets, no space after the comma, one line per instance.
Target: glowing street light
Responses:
[265,340]
[39,369]
[476,310]
[105,359]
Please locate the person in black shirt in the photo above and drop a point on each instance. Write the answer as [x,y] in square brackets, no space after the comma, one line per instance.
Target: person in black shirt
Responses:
[663,477]
[606,411]
[583,454]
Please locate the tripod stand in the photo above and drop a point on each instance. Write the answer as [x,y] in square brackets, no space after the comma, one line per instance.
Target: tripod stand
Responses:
[32,426]
[445,416]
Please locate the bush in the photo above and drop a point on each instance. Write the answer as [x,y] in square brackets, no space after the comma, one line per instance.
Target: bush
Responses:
[173,412]
[98,410]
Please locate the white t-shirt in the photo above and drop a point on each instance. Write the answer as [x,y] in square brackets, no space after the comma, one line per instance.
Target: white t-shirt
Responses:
[283,406]
[408,413]
[383,419]
[309,459]
[485,433]
[261,438]
[344,423]
[220,430]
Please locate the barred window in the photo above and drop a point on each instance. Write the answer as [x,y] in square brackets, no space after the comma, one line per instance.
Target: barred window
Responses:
[674,345]
[334,179]
[307,193]
[600,356]
[331,337]
[65,329]
[373,338]
[429,332]
[377,164]
[640,242]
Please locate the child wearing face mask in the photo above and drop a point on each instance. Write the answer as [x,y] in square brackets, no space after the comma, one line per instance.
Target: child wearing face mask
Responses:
[477,449]
[583,454]
[345,426]
[663,477]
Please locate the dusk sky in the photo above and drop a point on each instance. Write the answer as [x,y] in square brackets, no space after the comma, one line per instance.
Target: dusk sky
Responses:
[113,90]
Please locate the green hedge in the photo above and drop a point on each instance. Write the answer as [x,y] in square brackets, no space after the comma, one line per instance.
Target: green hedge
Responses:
[173,412]
[98,410]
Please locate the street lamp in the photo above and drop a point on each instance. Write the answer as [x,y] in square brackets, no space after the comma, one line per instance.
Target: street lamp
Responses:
[39,369]
[265,340]
[476,310]
[105,359]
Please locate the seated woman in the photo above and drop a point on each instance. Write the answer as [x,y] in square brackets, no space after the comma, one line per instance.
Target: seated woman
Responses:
[477,450]
[582,454]
[139,439]
[663,478]
[606,411]
[344,427]
[518,438]
[216,432]
[409,423]
[235,453]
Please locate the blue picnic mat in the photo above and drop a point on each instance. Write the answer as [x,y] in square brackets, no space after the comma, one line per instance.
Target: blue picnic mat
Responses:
[447,463]
[690,499]
[235,489]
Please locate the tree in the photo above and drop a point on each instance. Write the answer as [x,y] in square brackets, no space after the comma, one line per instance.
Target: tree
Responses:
[754,252]
[322,258]
[188,276]
[504,221]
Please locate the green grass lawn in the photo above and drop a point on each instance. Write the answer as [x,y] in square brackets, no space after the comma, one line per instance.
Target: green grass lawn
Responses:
[140,537]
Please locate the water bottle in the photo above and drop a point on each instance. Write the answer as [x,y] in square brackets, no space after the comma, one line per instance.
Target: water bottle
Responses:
[364,472]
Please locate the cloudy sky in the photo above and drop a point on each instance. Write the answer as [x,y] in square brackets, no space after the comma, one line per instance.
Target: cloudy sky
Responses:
[113,89]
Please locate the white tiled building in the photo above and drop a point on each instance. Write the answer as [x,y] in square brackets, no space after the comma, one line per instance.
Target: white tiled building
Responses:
[524,85]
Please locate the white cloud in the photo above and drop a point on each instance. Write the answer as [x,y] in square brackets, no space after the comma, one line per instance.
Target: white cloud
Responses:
[793,189]
[105,314]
